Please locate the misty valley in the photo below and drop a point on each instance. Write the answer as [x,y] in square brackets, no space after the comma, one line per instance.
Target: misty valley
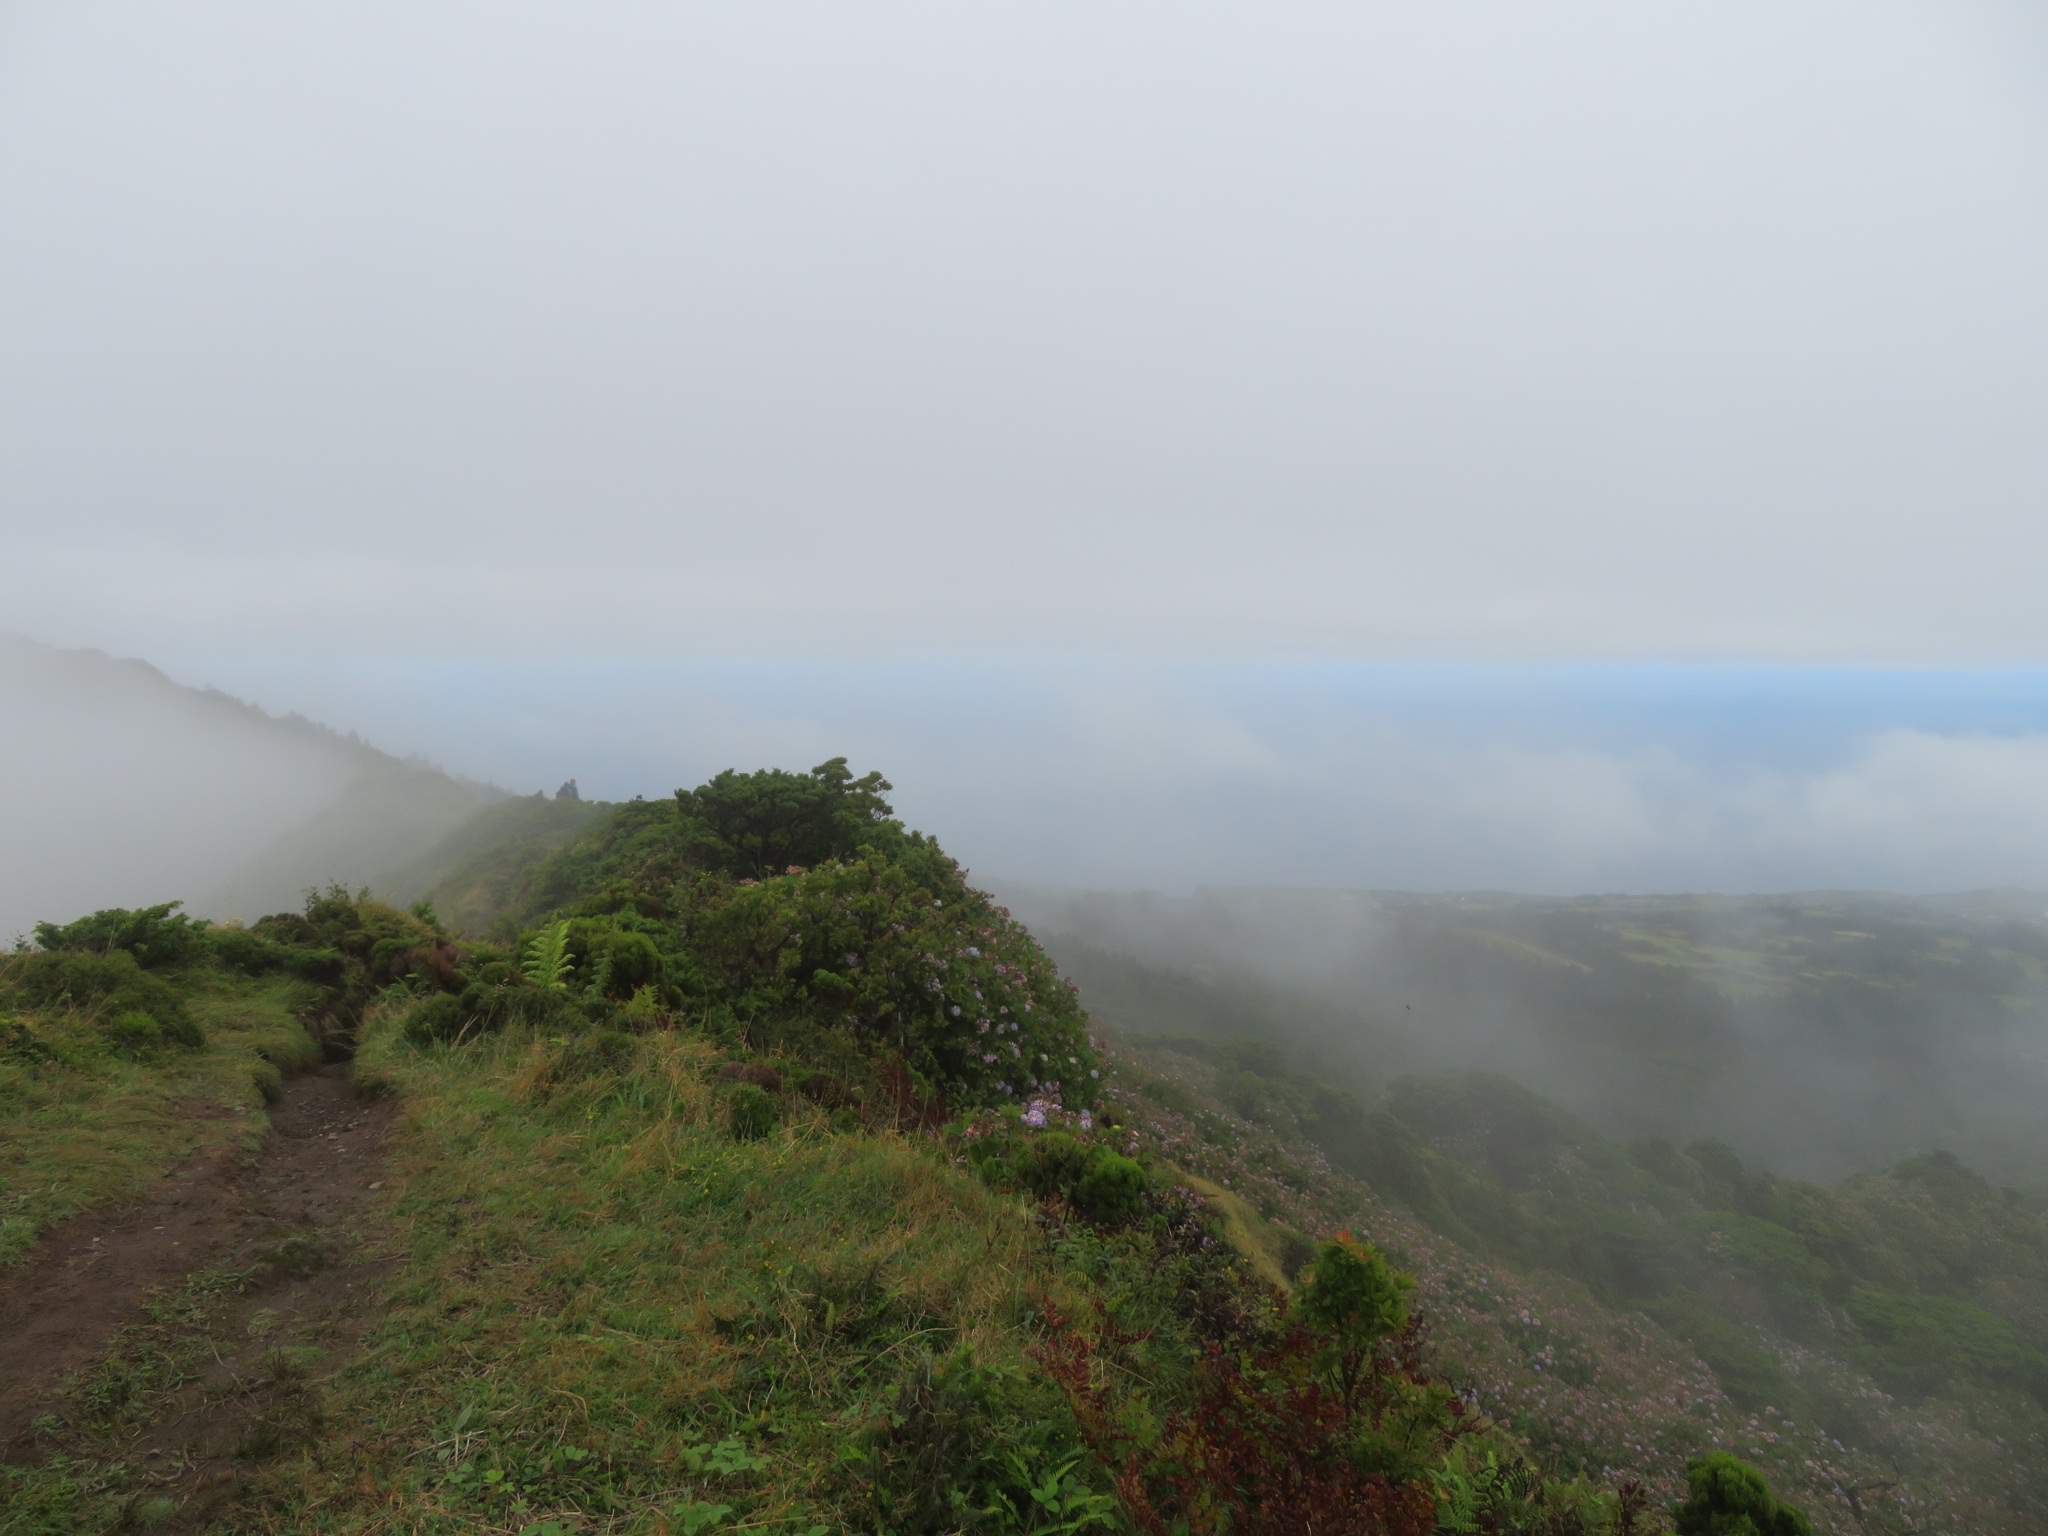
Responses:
[729,1161]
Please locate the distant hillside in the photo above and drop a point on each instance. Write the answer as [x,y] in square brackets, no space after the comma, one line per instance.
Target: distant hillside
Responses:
[1819,1033]
[488,865]
[121,787]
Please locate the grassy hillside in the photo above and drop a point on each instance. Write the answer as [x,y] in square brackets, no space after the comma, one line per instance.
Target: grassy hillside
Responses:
[1882,1313]
[1820,1034]
[752,1172]
[483,867]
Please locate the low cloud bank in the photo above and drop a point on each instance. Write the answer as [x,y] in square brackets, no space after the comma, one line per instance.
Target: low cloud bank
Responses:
[123,788]
[1122,775]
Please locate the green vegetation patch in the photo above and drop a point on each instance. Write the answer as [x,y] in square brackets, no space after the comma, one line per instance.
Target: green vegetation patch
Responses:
[649,1288]
[93,1107]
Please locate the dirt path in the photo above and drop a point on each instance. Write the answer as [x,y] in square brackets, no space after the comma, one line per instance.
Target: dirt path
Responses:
[290,1218]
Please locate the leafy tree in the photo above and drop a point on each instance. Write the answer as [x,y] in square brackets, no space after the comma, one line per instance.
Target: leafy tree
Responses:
[1350,1300]
[1730,1498]
[755,825]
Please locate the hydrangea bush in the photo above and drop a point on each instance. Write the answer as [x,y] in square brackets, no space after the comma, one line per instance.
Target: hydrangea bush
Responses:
[920,966]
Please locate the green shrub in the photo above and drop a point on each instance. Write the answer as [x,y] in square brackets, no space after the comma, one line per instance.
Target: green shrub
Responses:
[1920,1344]
[752,1112]
[898,962]
[291,928]
[157,937]
[1730,1498]
[643,1009]
[357,925]
[132,1030]
[22,1043]
[1113,1188]
[1349,1299]
[1305,1427]
[250,953]
[968,1448]
[616,959]
[481,1009]
[1099,1184]
[1051,1164]
[109,985]
[439,1017]
[756,825]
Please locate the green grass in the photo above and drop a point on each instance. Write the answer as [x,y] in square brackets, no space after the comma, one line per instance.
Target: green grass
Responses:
[611,1315]
[81,1124]
[603,1286]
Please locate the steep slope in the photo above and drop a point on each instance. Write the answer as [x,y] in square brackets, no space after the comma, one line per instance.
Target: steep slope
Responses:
[122,788]
[1669,1297]
[484,867]
[1818,1034]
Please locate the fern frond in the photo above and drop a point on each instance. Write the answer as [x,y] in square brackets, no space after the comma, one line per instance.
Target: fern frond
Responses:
[547,958]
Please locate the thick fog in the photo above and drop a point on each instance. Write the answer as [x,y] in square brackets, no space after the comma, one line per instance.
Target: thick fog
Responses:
[1082,412]
[1568,329]
[122,788]
[119,788]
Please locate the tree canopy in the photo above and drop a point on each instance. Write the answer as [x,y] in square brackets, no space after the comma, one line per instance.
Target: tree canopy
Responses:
[755,825]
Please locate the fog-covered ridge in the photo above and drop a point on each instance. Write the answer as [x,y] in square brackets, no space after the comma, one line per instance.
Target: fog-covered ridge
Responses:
[120,787]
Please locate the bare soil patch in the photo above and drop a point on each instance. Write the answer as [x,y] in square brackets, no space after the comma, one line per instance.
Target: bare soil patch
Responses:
[292,1218]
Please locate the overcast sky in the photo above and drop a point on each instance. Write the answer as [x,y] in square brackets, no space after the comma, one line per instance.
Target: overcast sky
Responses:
[1534,330]
[1140,428]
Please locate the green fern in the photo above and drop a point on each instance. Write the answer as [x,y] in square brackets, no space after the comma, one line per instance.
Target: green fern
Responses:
[547,958]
